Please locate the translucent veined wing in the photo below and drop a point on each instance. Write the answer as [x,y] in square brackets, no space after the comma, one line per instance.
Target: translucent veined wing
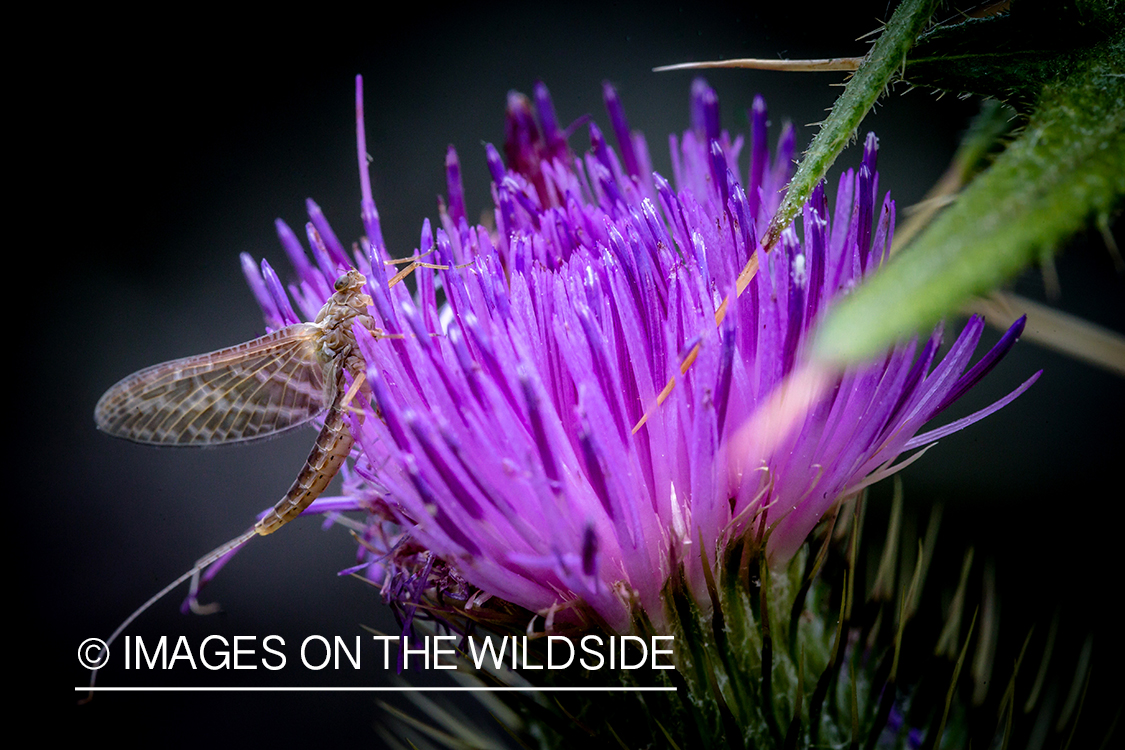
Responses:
[249,391]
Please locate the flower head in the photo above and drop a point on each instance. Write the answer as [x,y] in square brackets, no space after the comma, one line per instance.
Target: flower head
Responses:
[566,405]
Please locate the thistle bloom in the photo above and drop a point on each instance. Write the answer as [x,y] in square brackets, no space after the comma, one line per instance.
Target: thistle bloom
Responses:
[501,452]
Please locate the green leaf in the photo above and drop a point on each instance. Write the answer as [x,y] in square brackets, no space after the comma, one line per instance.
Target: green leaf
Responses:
[880,66]
[1065,167]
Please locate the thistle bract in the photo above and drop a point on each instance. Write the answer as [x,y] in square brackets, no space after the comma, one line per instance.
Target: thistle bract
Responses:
[563,412]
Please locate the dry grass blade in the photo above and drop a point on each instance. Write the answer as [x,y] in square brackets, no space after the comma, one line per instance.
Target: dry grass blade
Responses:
[1056,330]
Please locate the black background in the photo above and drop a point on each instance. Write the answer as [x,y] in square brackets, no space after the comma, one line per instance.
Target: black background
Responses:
[151,151]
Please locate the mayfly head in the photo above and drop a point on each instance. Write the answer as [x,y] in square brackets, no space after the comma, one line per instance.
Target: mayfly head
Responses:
[352,281]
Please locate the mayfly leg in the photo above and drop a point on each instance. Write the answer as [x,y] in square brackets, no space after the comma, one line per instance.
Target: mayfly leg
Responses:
[200,565]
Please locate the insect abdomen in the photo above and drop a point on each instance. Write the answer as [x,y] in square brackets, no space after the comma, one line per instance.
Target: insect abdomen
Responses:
[332,446]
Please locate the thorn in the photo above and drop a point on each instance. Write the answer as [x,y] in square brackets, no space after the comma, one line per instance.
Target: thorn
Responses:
[1077,688]
[822,65]
[1044,662]
[953,682]
[877,30]
[1051,285]
[1110,243]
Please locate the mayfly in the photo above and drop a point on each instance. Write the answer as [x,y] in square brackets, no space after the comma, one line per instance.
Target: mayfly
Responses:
[256,389]
[253,390]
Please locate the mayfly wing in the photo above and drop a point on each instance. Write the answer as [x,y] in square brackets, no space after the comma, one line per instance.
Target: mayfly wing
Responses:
[245,392]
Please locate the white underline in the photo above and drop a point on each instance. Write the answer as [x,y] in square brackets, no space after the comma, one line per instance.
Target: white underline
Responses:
[506,689]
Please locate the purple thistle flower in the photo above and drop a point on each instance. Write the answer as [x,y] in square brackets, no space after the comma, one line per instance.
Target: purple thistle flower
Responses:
[505,458]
